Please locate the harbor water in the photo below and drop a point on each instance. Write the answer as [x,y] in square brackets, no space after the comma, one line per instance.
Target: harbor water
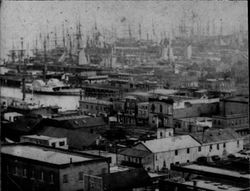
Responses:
[65,102]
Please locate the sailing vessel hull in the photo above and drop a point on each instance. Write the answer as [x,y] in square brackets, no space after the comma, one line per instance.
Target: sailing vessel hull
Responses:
[56,93]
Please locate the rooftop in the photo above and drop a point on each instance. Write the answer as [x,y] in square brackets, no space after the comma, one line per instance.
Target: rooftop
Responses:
[41,137]
[171,143]
[134,152]
[211,185]
[43,154]
[213,136]
[237,99]
[96,101]
[217,171]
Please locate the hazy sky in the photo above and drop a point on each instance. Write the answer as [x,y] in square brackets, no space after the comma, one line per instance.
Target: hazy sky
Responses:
[28,18]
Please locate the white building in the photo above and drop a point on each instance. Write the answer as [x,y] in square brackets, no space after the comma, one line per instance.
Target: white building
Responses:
[161,153]
[170,150]
[45,140]
[218,142]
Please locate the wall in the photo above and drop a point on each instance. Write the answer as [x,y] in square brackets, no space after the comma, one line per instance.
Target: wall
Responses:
[170,157]
[73,175]
[231,147]
[28,182]
[196,110]
[233,121]
[94,108]
[229,108]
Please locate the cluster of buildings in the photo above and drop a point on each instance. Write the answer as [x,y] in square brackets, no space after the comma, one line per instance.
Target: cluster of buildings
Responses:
[144,135]
[151,116]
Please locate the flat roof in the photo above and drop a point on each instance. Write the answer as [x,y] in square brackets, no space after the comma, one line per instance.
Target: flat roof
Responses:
[211,185]
[42,154]
[217,171]
[41,137]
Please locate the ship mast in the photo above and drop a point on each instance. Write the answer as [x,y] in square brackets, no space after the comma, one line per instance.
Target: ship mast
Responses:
[45,60]
[79,37]
[139,31]
[55,38]
[64,45]
[24,70]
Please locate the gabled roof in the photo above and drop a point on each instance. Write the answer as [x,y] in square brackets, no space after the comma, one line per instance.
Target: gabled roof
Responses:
[171,143]
[76,139]
[134,152]
[216,136]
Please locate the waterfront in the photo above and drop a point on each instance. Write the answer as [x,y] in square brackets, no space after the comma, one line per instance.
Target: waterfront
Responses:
[65,102]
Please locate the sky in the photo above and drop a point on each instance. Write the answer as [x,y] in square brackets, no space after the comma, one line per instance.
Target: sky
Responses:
[29,18]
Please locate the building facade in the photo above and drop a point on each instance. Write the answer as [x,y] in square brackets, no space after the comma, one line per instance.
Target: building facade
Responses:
[233,113]
[95,106]
[34,167]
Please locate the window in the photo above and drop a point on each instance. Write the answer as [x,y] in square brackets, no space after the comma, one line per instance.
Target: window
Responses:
[153,108]
[199,149]
[87,106]
[42,176]
[155,157]
[80,175]
[53,144]
[176,152]
[15,170]
[211,147]
[24,172]
[51,177]
[161,109]
[65,178]
[188,150]
[224,145]
[161,135]
[218,146]
[61,143]
[32,174]
[8,169]
[238,144]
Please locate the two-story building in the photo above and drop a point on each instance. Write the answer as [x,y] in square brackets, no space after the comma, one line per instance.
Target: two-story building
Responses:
[157,154]
[27,166]
[218,142]
[233,113]
[95,106]
[161,112]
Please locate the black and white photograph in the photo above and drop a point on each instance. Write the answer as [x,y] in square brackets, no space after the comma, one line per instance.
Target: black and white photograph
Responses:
[124,95]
